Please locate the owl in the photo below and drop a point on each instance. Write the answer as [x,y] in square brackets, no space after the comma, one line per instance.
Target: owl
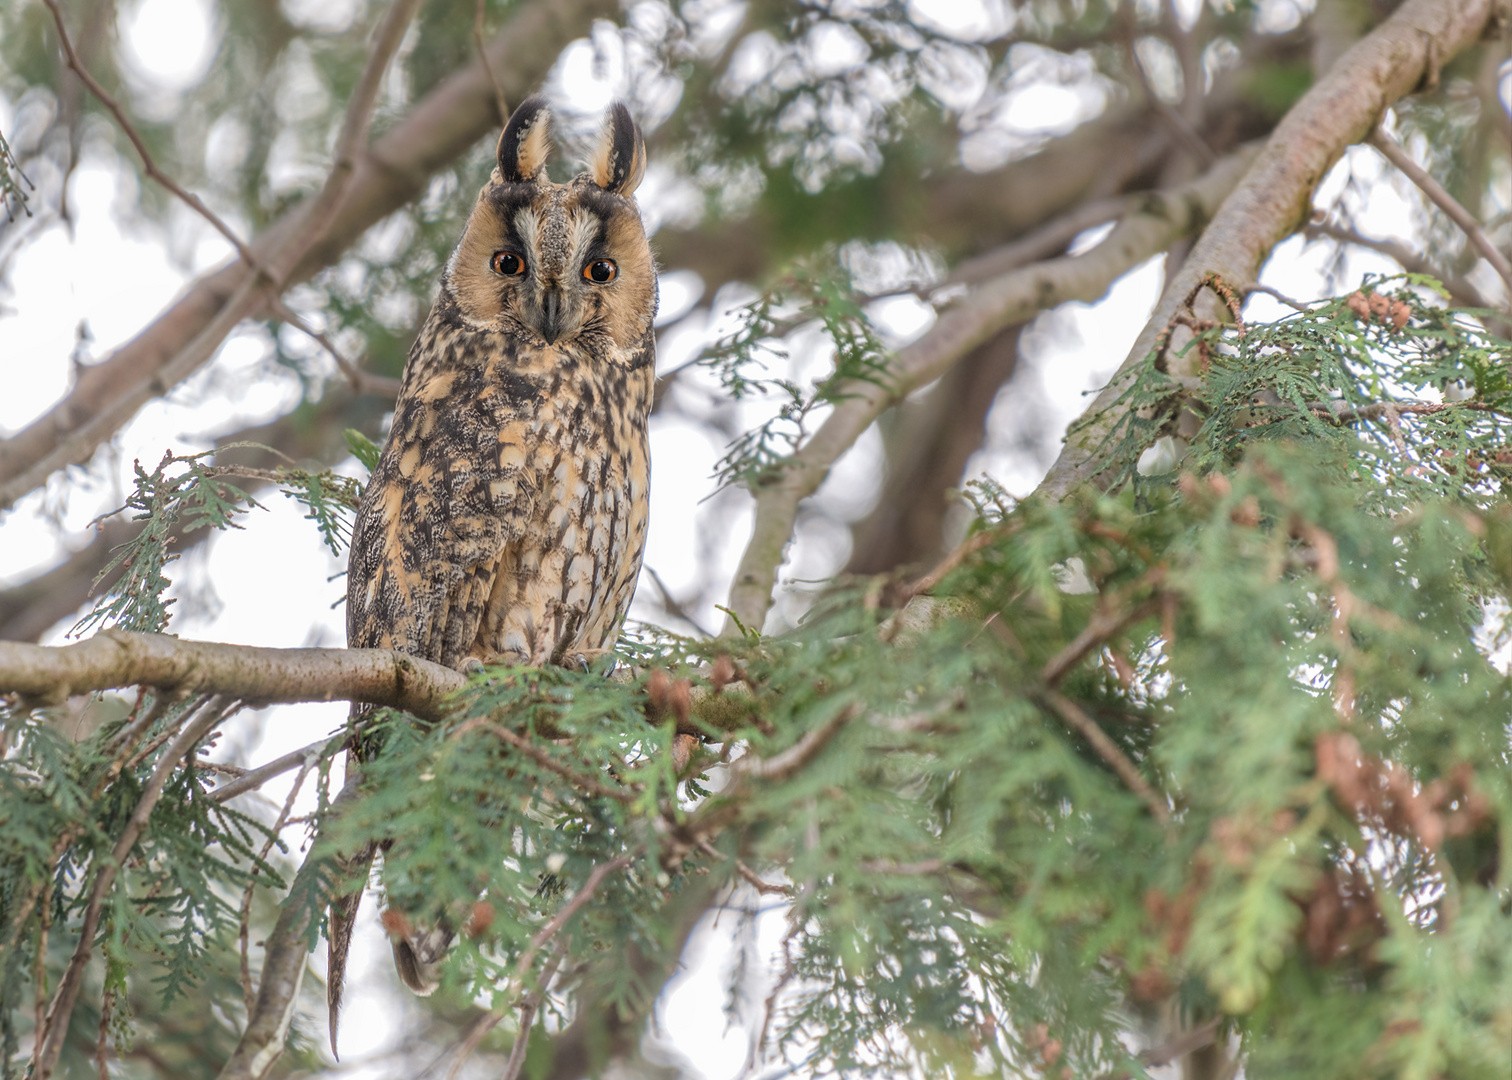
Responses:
[506,517]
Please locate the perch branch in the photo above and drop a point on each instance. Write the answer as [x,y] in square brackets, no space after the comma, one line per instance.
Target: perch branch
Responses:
[116,658]
[1160,220]
[1276,193]
[1396,154]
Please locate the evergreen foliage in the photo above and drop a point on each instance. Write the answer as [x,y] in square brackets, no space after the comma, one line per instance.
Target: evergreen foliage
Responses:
[1237,734]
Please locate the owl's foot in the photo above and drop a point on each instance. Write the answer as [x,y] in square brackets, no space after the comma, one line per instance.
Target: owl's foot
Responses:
[472,666]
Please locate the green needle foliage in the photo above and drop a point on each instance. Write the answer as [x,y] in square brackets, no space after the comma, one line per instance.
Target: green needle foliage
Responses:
[1232,742]
[813,294]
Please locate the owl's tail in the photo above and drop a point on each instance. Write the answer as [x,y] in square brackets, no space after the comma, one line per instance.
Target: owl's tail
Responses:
[351,874]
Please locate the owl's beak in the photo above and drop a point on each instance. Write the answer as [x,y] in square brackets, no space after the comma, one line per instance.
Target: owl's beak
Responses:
[551,315]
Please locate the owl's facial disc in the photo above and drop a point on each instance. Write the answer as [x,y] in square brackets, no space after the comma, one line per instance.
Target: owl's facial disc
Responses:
[564,264]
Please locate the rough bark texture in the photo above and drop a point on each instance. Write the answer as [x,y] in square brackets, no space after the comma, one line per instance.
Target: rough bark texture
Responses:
[1276,194]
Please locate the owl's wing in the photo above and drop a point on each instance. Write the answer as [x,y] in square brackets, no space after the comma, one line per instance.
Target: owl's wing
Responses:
[434,521]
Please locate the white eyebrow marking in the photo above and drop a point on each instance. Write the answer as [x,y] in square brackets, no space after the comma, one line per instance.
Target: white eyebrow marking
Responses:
[584,229]
[528,226]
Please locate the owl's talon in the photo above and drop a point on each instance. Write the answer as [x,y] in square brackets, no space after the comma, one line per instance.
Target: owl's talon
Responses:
[472,666]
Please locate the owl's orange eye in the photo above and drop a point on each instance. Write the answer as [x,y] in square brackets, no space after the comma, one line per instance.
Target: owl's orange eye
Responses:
[507,263]
[600,271]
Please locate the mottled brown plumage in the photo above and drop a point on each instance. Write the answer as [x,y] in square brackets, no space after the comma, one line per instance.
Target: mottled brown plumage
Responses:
[507,515]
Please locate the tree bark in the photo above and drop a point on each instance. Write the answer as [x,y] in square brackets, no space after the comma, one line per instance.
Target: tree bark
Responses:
[1275,196]
[928,446]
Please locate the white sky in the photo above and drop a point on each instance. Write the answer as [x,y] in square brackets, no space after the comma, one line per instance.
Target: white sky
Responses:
[273,583]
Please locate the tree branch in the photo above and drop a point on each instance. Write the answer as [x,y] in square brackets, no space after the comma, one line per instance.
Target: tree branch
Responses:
[1160,219]
[1381,139]
[389,173]
[1276,194]
[116,658]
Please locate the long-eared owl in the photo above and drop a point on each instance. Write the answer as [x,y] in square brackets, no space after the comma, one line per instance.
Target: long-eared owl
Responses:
[507,515]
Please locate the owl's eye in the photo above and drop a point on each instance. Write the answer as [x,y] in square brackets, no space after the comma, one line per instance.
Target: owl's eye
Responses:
[507,263]
[601,271]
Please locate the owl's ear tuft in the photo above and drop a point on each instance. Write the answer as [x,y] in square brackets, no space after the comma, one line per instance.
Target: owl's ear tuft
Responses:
[526,141]
[620,160]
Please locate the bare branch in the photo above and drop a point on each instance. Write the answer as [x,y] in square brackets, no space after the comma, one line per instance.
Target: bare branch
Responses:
[116,658]
[1381,139]
[253,779]
[1276,193]
[981,314]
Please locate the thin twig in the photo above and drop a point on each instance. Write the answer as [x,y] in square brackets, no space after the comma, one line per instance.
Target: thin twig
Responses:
[1381,139]
[1110,618]
[362,382]
[569,909]
[311,756]
[781,766]
[752,878]
[963,551]
[1465,292]
[188,198]
[528,1010]
[584,783]
[256,778]
[67,995]
[493,81]
[1108,750]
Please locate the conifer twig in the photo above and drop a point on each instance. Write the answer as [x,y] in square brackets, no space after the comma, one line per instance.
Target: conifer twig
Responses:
[569,909]
[1395,153]
[1108,750]
[51,1041]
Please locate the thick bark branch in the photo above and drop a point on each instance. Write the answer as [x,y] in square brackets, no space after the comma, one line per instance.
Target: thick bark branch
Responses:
[115,658]
[1160,219]
[1276,194]
[392,171]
